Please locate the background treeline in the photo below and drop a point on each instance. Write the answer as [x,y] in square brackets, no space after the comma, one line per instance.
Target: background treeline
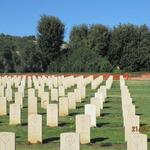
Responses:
[90,48]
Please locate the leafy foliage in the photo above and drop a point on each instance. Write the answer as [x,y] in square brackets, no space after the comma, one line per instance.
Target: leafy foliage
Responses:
[91,48]
[50,38]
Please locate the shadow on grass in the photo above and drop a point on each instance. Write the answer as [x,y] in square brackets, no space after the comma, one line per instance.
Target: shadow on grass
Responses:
[102,124]
[43,113]
[108,101]
[24,124]
[148,140]
[105,114]
[142,124]
[50,140]
[38,100]
[106,107]
[106,144]
[63,124]
[73,114]
[99,139]
[17,136]
[139,114]
[78,107]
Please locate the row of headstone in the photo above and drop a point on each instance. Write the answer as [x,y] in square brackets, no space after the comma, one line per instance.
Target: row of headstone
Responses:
[68,141]
[96,82]
[56,81]
[65,103]
[100,96]
[109,82]
[91,111]
[39,82]
[6,89]
[135,140]
[54,111]
[83,122]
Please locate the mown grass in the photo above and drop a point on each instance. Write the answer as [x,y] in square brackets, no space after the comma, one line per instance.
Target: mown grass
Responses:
[109,133]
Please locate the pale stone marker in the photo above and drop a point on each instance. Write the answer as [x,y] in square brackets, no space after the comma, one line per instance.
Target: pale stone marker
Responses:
[8,94]
[83,123]
[69,141]
[29,82]
[55,82]
[52,115]
[61,91]
[77,95]
[137,142]
[32,105]
[40,91]
[95,101]
[1,91]
[63,106]
[103,89]
[14,114]
[19,99]
[83,92]
[132,125]
[91,110]
[7,141]
[72,100]
[3,106]
[35,129]
[44,99]
[54,94]
[101,98]
[31,93]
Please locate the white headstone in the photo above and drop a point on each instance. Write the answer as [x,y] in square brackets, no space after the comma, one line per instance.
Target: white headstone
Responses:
[3,106]
[137,142]
[54,94]
[14,114]
[63,106]
[69,141]
[96,102]
[83,123]
[72,100]
[19,99]
[35,129]
[77,95]
[7,141]
[91,111]
[52,115]
[61,91]
[32,105]
[44,99]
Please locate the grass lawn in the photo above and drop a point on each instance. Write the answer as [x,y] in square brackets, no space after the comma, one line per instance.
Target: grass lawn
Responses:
[109,133]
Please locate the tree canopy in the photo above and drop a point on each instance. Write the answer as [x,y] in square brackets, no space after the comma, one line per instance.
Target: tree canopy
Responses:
[90,48]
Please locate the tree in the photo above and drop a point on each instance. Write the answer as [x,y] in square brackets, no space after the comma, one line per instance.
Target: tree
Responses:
[123,39]
[88,46]
[31,58]
[78,36]
[78,47]
[99,39]
[7,48]
[50,38]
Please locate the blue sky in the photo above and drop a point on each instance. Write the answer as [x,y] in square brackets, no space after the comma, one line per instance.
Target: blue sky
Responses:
[20,17]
